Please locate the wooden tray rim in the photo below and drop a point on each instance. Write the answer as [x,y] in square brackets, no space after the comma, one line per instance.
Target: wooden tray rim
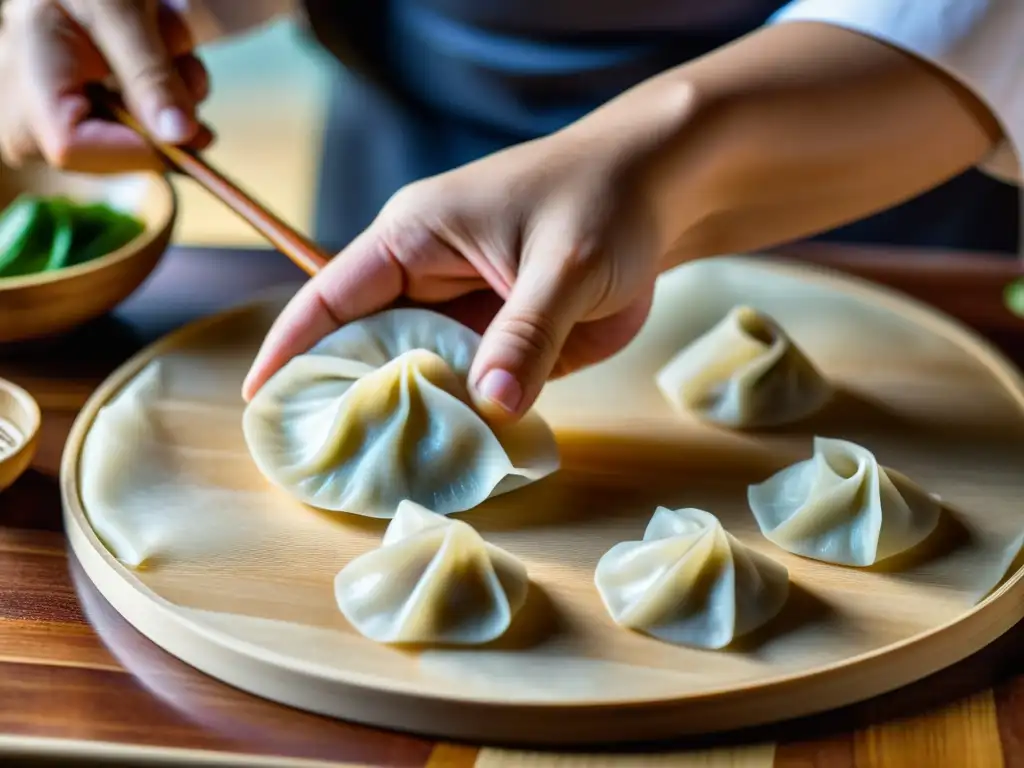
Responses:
[144,609]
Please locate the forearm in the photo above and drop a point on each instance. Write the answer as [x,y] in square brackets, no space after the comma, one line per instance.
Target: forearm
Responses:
[789,132]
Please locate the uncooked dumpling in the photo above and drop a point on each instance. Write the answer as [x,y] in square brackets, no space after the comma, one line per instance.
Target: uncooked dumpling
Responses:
[378,412]
[841,507]
[690,581]
[744,372]
[433,580]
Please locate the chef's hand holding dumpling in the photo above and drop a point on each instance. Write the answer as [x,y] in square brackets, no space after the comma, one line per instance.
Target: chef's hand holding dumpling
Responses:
[378,412]
[690,582]
[433,580]
[841,507]
[745,372]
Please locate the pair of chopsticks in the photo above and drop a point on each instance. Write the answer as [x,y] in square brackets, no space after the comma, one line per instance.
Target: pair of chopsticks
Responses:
[306,254]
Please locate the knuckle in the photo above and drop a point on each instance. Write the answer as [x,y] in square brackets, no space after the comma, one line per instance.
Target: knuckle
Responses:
[580,258]
[149,73]
[98,11]
[533,333]
[409,199]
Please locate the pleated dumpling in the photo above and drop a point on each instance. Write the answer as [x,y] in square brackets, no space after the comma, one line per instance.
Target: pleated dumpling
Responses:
[690,582]
[379,412]
[841,507]
[433,580]
[745,372]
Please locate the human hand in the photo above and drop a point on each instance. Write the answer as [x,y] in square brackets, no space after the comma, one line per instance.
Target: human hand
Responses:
[548,246]
[50,50]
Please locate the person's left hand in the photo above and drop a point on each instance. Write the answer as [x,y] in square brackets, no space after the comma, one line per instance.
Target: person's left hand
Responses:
[548,246]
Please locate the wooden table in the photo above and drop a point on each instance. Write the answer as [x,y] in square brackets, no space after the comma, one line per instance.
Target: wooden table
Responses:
[76,680]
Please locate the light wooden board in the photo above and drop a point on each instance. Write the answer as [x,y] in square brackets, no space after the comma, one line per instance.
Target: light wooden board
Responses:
[241,586]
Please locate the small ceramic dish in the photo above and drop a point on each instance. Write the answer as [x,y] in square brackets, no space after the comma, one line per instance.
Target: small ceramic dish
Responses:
[50,303]
[20,420]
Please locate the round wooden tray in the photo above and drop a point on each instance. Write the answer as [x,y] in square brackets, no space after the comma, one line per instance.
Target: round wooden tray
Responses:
[240,584]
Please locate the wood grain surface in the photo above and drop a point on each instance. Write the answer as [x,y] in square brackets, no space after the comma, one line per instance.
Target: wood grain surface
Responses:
[72,671]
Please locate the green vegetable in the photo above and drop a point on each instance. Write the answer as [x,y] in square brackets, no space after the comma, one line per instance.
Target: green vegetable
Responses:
[16,225]
[63,234]
[47,234]
[116,234]
[31,249]
[1013,297]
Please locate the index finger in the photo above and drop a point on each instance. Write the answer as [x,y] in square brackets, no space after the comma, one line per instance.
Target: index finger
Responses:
[364,278]
[131,38]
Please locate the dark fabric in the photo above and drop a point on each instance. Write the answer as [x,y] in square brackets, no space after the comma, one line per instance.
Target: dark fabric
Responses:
[403,110]
[973,212]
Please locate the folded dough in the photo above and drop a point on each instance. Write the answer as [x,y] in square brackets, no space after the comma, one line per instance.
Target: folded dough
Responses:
[744,372]
[121,453]
[690,581]
[841,507]
[433,580]
[378,412]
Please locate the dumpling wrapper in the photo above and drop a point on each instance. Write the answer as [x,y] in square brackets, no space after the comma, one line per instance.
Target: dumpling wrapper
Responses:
[140,497]
[745,372]
[378,412]
[841,507]
[434,580]
[121,440]
[690,582]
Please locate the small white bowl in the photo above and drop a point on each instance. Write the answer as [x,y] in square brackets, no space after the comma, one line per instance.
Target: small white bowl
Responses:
[20,421]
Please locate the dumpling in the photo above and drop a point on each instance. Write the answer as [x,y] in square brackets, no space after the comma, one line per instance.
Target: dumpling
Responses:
[378,412]
[690,582]
[744,372]
[433,580]
[841,507]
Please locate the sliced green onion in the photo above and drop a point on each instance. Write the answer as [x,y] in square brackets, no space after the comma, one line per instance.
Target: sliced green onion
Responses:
[116,234]
[16,225]
[63,233]
[47,234]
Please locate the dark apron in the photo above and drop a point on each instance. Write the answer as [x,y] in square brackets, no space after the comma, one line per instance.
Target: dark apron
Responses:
[380,137]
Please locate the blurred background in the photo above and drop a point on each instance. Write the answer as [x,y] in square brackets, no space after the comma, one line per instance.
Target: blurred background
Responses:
[272,91]
[268,106]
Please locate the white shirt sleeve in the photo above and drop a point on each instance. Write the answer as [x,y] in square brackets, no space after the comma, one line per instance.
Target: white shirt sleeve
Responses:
[210,20]
[980,43]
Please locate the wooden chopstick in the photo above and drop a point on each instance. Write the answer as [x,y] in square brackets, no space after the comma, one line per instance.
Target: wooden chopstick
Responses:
[306,254]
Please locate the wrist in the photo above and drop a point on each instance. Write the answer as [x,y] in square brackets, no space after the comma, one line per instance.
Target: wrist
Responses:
[660,143]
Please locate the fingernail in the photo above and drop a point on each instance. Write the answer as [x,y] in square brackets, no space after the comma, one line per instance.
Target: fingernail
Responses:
[173,126]
[501,388]
[247,386]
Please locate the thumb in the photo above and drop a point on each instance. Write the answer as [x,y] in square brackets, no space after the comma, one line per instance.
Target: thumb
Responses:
[130,37]
[522,345]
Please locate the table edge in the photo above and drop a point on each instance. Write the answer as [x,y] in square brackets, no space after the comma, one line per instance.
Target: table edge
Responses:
[55,747]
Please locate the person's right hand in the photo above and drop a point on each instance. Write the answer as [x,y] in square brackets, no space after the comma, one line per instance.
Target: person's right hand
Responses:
[50,50]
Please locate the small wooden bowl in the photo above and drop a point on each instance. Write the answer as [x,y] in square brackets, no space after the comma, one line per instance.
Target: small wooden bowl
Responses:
[41,305]
[19,432]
